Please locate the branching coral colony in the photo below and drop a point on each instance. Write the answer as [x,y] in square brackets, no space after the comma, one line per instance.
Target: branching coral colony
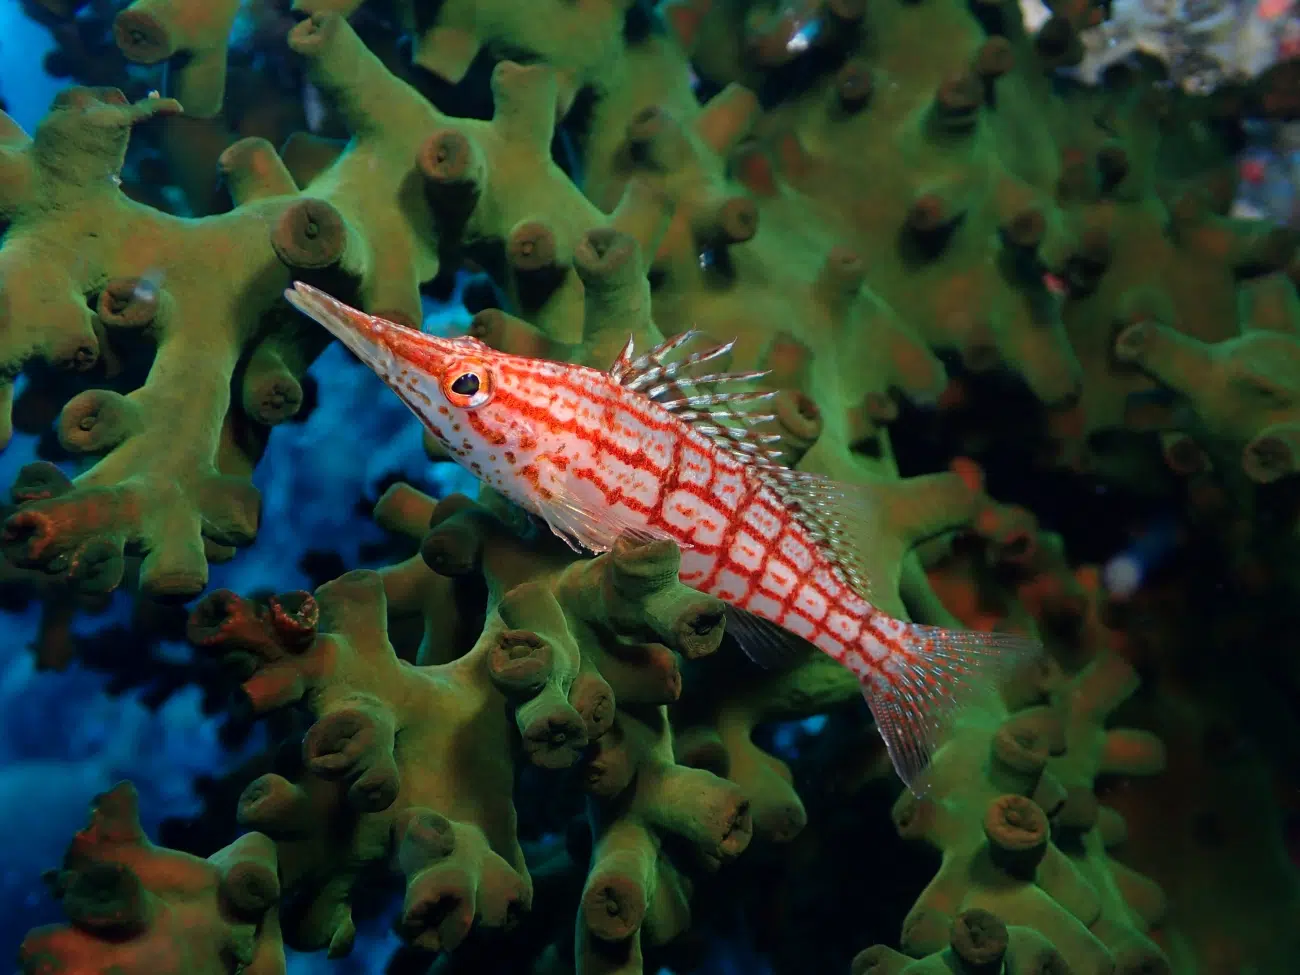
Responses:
[861,192]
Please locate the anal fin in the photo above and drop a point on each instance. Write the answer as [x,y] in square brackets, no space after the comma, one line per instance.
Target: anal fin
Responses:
[763,641]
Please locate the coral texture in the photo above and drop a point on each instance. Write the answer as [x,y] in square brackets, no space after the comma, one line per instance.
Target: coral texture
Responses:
[935,245]
[418,761]
[135,907]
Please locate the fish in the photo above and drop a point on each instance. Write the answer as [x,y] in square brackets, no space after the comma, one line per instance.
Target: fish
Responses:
[652,449]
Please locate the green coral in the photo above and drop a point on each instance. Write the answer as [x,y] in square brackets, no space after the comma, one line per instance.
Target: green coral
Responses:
[137,908]
[848,215]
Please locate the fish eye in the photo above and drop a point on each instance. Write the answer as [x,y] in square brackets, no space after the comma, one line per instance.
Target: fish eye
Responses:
[467,385]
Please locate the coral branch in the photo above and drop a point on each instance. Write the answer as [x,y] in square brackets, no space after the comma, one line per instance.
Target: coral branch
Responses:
[137,908]
[149,31]
[383,754]
[980,943]
[168,483]
[1244,391]
[381,764]
[645,807]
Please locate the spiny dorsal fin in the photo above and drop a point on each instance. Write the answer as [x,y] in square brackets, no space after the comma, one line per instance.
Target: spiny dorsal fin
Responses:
[696,400]
[832,513]
[640,372]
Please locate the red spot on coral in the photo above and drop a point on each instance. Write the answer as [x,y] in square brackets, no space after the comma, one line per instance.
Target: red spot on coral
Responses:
[1253,171]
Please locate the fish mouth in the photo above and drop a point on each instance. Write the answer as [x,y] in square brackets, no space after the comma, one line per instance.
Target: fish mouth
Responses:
[366,336]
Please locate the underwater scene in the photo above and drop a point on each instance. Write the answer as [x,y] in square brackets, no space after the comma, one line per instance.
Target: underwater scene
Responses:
[682,487]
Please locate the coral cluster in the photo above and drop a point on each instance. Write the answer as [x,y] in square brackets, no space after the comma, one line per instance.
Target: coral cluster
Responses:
[136,907]
[936,246]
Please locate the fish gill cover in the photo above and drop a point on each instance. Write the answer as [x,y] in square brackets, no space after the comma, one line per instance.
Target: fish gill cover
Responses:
[1001,279]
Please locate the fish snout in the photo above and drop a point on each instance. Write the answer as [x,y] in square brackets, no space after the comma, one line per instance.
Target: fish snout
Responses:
[365,335]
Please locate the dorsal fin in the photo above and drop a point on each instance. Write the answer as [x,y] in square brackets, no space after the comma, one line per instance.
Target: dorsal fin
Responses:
[838,517]
[638,371]
[697,400]
[833,514]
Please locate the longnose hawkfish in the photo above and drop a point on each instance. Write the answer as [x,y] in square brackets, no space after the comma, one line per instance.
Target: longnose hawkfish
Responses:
[650,450]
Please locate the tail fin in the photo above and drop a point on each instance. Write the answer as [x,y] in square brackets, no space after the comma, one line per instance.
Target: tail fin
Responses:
[926,677]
